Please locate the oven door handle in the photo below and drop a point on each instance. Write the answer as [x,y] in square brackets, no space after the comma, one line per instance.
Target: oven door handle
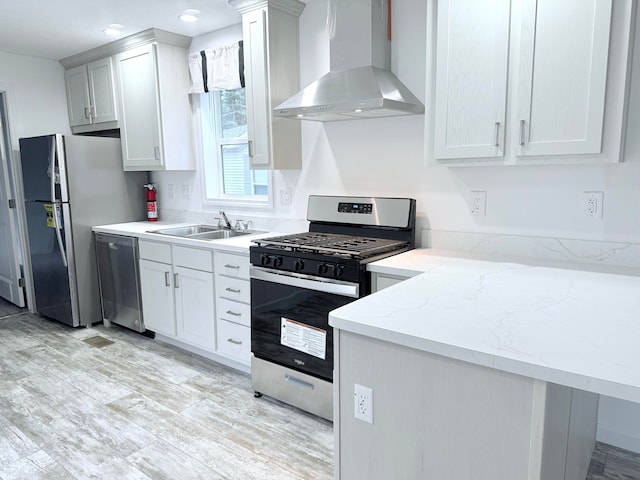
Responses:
[295,280]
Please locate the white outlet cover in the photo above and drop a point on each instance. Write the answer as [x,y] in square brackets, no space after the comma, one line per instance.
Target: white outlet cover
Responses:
[363,403]
[593,203]
[478,203]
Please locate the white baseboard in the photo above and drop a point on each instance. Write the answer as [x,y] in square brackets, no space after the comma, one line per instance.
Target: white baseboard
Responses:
[617,439]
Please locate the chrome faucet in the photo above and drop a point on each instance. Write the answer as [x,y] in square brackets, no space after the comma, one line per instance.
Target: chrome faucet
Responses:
[226,220]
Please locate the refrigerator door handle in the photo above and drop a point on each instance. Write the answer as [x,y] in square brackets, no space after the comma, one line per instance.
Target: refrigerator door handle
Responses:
[54,205]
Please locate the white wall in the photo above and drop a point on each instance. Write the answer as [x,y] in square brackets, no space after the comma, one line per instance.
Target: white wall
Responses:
[36,96]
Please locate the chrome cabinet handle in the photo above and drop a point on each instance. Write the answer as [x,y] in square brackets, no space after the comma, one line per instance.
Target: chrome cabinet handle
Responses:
[497,142]
[250,147]
[521,132]
[232,290]
[87,115]
[156,152]
[235,314]
[167,279]
[175,280]
[235,342]
[235,267]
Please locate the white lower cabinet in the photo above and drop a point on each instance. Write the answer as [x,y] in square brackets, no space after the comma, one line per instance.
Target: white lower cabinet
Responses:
[178,293]
[233,298]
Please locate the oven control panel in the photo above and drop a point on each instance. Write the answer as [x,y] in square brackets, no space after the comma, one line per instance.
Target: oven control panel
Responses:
[366,208]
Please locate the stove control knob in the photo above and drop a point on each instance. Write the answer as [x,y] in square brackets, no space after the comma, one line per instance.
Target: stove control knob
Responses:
[322,268]
[277,261]
[339,270]
[331,270]
[265,260]
[298,265]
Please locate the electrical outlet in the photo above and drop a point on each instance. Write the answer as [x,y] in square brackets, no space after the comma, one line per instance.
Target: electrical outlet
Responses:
[593,203]
[478,203]
[363,403]
[186,191]
[285,196]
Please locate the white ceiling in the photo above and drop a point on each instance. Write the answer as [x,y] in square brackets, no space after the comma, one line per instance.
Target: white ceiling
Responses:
[60,28]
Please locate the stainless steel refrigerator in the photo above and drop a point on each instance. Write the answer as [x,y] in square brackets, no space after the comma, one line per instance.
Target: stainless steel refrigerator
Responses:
[70,184]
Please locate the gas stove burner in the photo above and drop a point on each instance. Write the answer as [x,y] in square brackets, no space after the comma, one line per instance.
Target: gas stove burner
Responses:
[331,244]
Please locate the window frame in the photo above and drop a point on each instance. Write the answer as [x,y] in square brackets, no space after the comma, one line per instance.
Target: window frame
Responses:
[211,152]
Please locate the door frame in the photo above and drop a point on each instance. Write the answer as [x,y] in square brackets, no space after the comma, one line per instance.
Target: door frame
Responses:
[13,168]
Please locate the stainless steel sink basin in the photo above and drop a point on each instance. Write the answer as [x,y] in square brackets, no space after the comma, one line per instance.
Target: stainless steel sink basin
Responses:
[203,232]
[187,231]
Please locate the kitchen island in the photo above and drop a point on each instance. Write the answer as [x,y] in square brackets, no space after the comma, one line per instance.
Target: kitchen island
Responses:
[483,369]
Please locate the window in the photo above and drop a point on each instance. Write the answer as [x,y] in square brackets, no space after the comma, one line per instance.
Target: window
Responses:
[228,177]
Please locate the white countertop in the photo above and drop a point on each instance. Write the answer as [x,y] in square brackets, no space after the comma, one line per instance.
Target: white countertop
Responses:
[143,230]
[572,327]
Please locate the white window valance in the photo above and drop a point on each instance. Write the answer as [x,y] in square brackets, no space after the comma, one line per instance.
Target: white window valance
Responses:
[220,68]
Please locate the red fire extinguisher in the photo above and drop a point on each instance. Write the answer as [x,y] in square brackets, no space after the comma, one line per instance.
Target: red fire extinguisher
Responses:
[152,204]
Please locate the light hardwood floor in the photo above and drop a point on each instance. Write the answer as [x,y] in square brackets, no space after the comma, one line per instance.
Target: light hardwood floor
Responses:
[73,405]
[73,408]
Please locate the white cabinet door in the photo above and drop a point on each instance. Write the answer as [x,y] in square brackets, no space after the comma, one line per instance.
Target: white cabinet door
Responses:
[272,74]
[471,78]
[78,101]
[139,108]
[195,314]
[102,91]
[562,73]
[257,87]
[156,286]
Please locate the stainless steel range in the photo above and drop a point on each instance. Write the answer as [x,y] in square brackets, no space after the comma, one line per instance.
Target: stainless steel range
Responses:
[296,280]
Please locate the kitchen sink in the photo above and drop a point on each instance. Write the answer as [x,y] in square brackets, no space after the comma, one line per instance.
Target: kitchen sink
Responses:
[187,231]
[202,232]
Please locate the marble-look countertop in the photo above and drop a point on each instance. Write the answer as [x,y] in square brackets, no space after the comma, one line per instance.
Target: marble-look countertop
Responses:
[568,326]
[144,231]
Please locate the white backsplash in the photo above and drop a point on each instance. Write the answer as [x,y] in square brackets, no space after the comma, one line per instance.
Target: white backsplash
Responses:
[592,252]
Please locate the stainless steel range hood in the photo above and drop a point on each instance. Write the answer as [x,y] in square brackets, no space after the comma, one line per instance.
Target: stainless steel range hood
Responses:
[360,83]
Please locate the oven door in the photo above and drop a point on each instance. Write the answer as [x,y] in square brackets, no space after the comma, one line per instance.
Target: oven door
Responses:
[290,319]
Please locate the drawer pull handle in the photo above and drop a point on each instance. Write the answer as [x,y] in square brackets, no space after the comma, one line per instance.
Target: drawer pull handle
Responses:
[235,314]
[167,279]
[299,382]
[232,290]
[175,281]
[235,267]
[235,342]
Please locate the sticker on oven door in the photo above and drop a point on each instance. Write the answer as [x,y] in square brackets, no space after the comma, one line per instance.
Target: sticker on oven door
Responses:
[303,337]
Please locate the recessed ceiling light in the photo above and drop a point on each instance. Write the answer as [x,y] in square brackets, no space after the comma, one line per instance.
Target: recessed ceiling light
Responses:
[113,29]
[189,15]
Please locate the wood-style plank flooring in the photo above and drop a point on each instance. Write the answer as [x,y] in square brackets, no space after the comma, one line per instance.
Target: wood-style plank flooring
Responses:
[111,404]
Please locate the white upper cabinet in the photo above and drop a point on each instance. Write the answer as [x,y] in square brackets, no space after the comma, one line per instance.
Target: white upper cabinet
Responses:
[530,81]
[140,85]
[155,116]
[473,47]
[91,96]
[561,76]
[271,69]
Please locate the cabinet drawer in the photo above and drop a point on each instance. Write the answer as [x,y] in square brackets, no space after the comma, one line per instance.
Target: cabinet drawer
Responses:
[234,341]
[154,251]
[232,265]
[234,311]
[193,258]
[233,288]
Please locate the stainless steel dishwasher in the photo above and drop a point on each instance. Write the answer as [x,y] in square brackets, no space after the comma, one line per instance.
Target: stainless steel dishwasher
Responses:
[119,280]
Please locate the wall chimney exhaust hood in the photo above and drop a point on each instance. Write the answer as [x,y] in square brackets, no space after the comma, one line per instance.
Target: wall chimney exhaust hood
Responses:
[360,83]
